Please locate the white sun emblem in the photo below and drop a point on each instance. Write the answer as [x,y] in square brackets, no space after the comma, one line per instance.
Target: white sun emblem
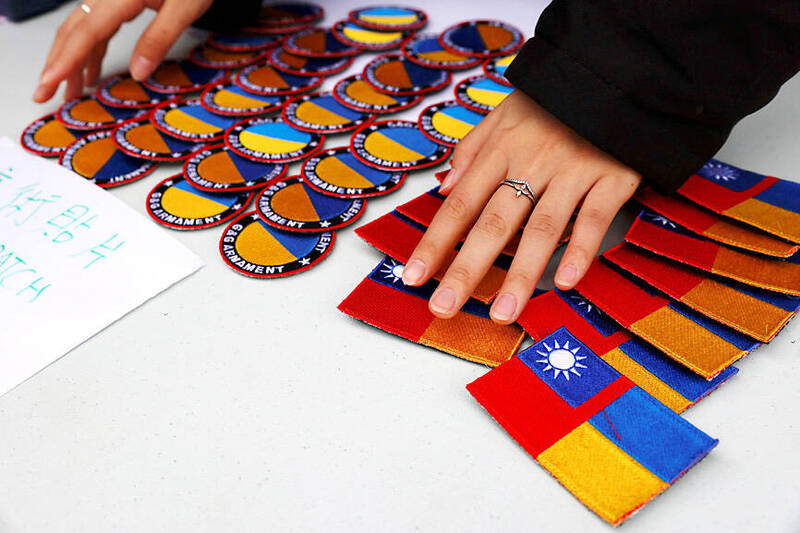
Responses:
[580,301]
[392,271]
[720,171]
[561,360]
[658,219]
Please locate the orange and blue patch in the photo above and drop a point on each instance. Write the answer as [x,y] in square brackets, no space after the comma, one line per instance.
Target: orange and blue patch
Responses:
[426,50]
[448,122]
[271,140]
[268,81]
[285,61]
[612,445]
[190,121]
[699,343]
[48,137]
[322,113]
[495,68]
[140,138]
[209,57]
[482,38]
[88,113]
[289,204]
[657,374]
[176,204]
[96,158]
[337,172]
[177,77]
[318,43]
[353,92]
[396,145]
[664,237]
[714,226]
[365,38]
[384,301]
[218,169]
[230,100]
[256,249]
[389,18]
[757,313]
[766,202]
[123,91]
[481,93]
[394,74]
[241,42]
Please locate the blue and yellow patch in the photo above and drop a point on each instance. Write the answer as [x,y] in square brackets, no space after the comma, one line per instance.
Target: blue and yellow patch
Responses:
[389,18]
[190,121]
[322,113]
[271,140]
[481,93]
[365,38]
[96,158]
[396,145]
[337,172]
[230,100]
[495,68]
[176,204]
[448,122]
[218,169]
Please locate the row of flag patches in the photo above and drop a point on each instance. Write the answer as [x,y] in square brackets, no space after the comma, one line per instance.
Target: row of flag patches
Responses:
[703,278]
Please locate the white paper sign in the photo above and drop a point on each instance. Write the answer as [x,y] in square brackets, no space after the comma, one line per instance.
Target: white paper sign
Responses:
[73,259]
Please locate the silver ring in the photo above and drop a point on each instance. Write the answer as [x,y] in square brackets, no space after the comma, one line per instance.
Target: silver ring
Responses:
[86,9]
[522,187]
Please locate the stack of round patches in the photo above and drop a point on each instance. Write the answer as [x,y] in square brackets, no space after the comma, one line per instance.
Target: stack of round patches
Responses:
[218,169]
[389,18]
[481,38]
[177,77]
[448,122]
[188,120]
[97,158]
[365,38]
[140,138]
[241,42]
[285,18]
[495,68]
[427,51]
[396,145]
[213,58]
[355,93]
[271,140]
[88,113]
[298,65]
[269,81]
[123,91]
[322,113]
[394,74]
[337,172]
[230,100]
[481,93]
[318,43]
[48,137]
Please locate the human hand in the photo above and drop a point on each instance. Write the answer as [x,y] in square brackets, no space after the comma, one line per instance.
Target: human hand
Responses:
[518,140]
[77,51]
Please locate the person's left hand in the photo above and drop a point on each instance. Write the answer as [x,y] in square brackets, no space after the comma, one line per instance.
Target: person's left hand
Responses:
[518,140]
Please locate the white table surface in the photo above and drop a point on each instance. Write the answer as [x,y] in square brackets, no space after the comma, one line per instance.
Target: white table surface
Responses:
[228,404]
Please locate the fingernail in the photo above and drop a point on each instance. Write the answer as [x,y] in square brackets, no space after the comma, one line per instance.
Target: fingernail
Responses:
[448,181]
[566,275]
[413,272]
[443,300]
[46,77]
[40,94]
[141,67]
[504,307]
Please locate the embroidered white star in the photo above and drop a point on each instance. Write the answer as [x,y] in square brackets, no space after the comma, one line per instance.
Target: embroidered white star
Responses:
[324,224]
[305,261]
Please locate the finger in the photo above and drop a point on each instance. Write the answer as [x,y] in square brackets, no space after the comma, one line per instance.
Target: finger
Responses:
[599,208]
[498,222]
[74,85]
[46,89]
[466,150]
[456,214]
[539,239]
[95,64]
[158,38]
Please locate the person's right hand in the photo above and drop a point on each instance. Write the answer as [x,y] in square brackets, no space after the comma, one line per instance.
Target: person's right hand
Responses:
[80,43]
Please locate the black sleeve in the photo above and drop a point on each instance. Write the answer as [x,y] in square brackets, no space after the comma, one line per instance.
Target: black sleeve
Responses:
[229,15]
[658,84]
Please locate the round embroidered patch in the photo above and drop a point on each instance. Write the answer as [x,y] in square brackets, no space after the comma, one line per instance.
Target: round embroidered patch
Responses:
[241,42]
[232,101]
[481,94]
[176,204]
[268,81]
[481,38]
[277,31]
[495,68]
[306,66]
[394,74]
[123,91]
[322,113]
[218,169]
[176,77]
[48,137]
[364,38]
[389,17]
[291,205]
[271,140]
[289,13]
[190,121]
[141,139]
[448,122]
[396,145]
[317,42]
[209,57]
[426,50]
[337,172]
[98,159]
[88,113]
[355,93]
[253,248]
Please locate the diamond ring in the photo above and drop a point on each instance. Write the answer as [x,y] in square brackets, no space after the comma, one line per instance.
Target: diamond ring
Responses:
[522,187]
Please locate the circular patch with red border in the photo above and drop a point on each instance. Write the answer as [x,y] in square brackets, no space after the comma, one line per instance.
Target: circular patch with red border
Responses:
[252,247]
[269,81]
[322,113]
[355,93]
[389,17]
[289,13]
[96,158]
[482,38]
[364,38]
[271,140]
[337,172]
[190,121]
[306,66]
[317,42]
[141,139]
[481,94]
[290,204]
[176,77]
[88,113]
[176,204]
[396,145]
[218,169]
[123,91]
[241,42]
[209,57]
[230,100]
[448,122]
[426,50]
[394,74]
[496,67]
[47,137]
